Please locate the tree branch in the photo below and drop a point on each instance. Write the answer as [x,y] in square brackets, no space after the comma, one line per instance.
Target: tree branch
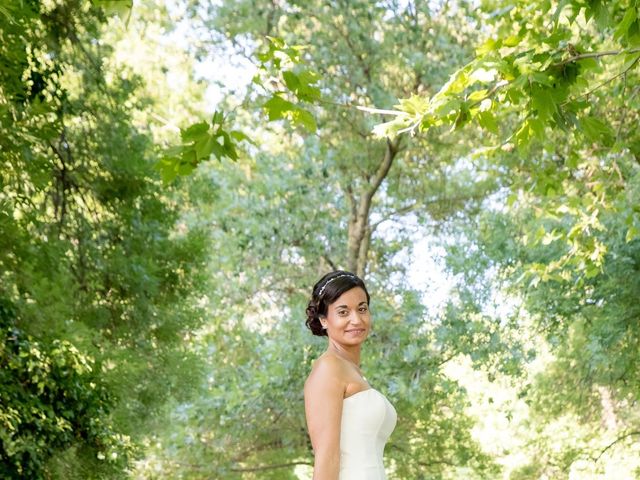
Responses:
[363,251]
[490,93]
[582,56]
[359,56]
[383,168]
[627,435]
[330,262]
[359,227]
[609,80]
[352,201]
[399,211]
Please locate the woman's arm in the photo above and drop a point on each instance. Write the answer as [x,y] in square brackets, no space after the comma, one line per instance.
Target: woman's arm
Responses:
[323,396]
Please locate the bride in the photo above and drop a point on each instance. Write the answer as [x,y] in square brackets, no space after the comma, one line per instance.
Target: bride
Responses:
[349,422]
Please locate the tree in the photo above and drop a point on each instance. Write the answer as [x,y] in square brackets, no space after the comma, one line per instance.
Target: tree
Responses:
[97,273]
[363,70]
[558,70]
[553,86]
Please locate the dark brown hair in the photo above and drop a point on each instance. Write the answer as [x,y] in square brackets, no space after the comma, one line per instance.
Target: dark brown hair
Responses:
[326,291]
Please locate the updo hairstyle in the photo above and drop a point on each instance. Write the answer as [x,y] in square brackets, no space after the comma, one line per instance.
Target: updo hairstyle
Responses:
[325,292]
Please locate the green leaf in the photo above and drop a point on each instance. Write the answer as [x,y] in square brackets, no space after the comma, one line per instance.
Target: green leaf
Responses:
[189,156]
[120,8]
[477,95]
[308,77]
[390,129]
[173,151]
[598,10]
[461,119]
[194,132]
[217,118]
[305,90]
[589,64]
[451,105]
[490,45]
[541,77]
[277,42]
[168,170]
[512,41]
[264,57]
[542,101]
[556,15]
[414,105]
[308,93]
[458,82]
[633,34]
[596,130]
[536,126]
[277,107]
[305,119]
[488,121]
[240,136]
[291,80]
[217,149]
[592,271]
[622,28]
[523,136]
[185,168]
[204,147]
[228,147]
[629,60]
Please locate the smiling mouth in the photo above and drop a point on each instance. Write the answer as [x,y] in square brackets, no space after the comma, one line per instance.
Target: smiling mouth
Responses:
[357,330]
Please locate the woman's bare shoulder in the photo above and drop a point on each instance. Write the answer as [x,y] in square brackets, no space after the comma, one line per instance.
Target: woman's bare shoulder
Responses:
[327,368]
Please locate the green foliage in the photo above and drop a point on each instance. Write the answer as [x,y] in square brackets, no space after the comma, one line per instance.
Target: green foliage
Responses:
[523,158]
[199,142]
[554,87]
[556,79]
[584,313]
[52,398]
[542,69]
[121,8]
[93,258]
[286,62]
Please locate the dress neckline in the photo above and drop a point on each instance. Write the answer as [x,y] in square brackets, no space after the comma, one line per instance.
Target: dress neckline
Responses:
[361,391]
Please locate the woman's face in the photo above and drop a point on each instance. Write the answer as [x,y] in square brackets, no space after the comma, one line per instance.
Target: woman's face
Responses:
[348,319]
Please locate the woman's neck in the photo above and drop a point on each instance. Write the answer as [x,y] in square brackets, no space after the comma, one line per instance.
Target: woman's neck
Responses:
[351,354]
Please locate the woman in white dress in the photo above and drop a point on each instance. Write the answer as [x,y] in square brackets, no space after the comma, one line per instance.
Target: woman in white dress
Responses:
[349,422]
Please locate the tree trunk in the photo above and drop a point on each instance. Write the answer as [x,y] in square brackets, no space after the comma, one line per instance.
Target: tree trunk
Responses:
[359,230]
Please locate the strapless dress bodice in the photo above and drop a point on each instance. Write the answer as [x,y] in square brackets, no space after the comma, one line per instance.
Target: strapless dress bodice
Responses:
[368,419]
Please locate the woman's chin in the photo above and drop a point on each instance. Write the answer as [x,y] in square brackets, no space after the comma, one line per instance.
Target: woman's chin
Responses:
[356,336]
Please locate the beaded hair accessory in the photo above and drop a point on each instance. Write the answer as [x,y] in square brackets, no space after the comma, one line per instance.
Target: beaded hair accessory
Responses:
[332,279]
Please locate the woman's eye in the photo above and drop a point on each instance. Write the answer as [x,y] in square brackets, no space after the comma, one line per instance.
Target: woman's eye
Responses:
[363,309]
[343,312]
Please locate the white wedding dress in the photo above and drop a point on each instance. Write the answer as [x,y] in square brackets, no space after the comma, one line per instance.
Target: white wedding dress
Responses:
[368,419]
